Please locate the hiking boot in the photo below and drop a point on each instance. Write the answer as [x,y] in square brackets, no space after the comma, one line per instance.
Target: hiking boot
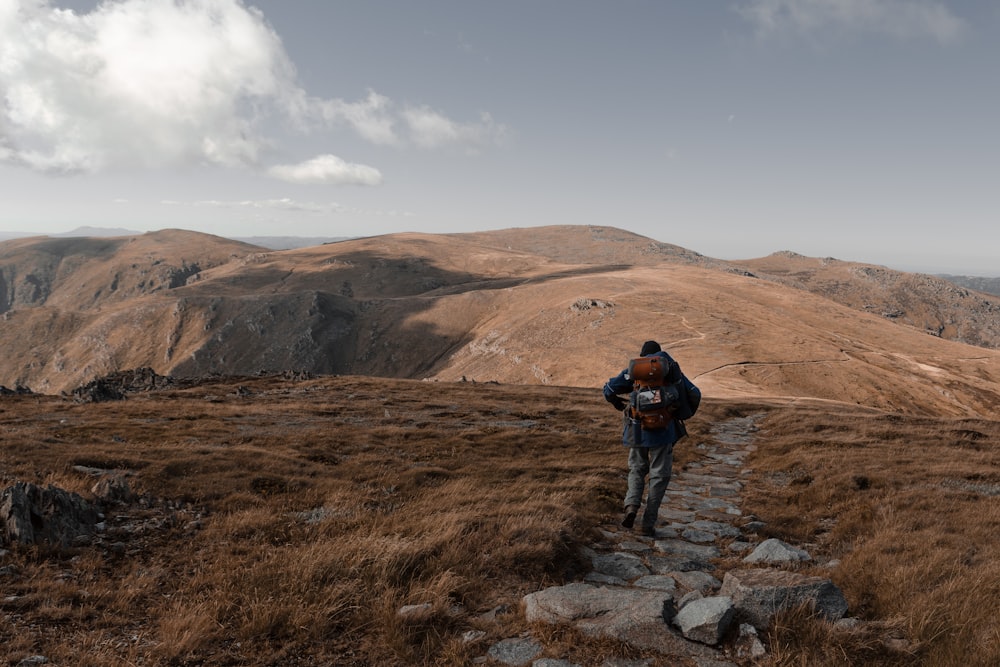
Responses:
[630,513]
[648,531]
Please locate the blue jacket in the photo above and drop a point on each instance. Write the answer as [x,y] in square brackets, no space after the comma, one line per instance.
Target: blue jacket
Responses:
[633,435]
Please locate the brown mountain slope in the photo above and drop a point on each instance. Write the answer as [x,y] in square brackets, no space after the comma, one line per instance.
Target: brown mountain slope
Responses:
[82,273]
[930,303]
[486,306]
[587,244]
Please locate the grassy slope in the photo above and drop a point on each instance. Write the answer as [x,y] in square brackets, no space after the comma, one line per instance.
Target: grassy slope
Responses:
[286,522]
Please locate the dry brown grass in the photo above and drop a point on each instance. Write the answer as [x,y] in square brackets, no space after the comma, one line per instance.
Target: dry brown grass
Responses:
[283,522]
[911,508]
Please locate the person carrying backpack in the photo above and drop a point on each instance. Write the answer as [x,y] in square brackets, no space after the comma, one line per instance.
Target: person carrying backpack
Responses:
[659,398]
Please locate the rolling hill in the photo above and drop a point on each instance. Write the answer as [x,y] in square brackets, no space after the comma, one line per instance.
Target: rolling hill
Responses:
[290,519]
[559,305]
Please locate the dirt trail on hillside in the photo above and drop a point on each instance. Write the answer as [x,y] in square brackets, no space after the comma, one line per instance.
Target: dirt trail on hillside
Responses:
[702,532]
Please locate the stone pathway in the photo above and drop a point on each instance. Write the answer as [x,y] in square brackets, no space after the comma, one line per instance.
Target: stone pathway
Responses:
[661,595]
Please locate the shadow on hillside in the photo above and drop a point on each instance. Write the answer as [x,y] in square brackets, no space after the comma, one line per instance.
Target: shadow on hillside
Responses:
[366,275]
[358,314]
[504,283]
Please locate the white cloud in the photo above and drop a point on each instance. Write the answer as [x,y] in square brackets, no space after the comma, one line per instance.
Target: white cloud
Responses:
[138,82]
[900,18]
[371,118]
[287,204]
[328,169]
[430,129]
[376,119]
[150,83]
[282,204]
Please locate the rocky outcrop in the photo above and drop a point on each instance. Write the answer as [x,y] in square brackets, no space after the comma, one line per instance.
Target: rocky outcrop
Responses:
[30,514]
[116,386]
[759,594]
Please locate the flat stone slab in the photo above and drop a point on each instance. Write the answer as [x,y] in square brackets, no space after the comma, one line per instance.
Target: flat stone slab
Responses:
[684,548]
[659,582]
[579,601]
[630,615]
[695,580]
[515,651]
[699,536]
[675,515]
[719,528]
[622,565]
[677,563]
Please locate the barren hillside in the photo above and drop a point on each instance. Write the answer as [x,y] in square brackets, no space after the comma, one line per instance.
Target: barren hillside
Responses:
[933,304]
[560,305]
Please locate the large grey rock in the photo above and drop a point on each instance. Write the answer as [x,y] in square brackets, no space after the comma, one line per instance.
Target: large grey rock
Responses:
[637,617]
[759,594]
[776,551]
[579,601]
[31,514]
[706,620]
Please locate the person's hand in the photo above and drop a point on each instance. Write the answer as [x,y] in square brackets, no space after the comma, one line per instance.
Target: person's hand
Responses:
[618,403]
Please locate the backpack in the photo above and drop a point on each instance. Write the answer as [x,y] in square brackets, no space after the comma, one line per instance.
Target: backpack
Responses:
[660,392]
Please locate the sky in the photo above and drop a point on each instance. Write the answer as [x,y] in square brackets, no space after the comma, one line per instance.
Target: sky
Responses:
[865,130]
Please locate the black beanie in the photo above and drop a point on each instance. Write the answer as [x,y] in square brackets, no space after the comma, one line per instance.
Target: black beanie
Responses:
[649,347]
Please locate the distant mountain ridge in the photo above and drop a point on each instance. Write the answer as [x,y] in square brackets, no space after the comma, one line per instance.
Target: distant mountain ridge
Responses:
[935,305]
[979,283]
[562,305]
[269,242]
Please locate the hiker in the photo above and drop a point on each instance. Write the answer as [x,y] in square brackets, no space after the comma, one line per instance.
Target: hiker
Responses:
[651,450]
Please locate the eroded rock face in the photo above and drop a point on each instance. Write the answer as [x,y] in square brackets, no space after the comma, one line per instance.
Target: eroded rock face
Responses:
[116,386]
[30,514]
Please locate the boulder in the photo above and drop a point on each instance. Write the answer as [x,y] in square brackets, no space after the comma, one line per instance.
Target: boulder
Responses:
[706,620]
[637,617]
[776,551]
[30,514]
[761,593]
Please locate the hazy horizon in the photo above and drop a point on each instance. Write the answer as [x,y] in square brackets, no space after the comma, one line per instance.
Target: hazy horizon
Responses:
[857,130]
[939,269]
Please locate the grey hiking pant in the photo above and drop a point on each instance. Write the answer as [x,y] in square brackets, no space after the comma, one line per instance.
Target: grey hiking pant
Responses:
[657,463]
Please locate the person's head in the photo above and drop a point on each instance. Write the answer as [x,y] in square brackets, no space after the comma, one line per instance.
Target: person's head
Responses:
[649,347]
